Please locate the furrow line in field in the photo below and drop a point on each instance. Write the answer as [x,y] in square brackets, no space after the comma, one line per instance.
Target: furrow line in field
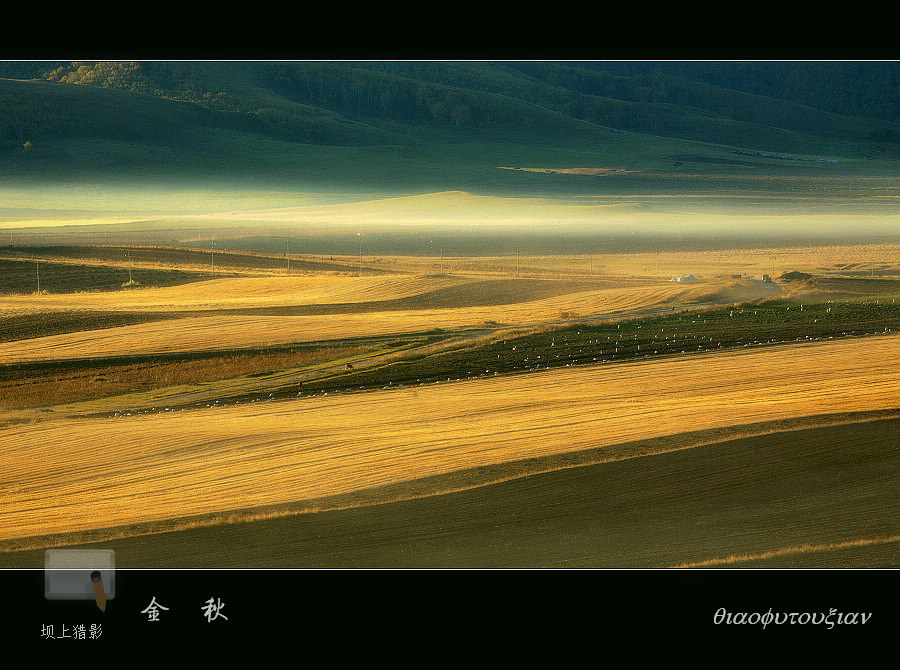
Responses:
[787,551]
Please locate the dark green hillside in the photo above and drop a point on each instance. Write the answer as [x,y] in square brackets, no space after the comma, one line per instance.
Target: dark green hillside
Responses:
[854,88]
[36,109]
[655,102]
[314,103]
[646,96]
[426,123]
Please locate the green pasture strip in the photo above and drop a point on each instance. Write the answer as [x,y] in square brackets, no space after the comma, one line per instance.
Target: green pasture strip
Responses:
[34,369]
[441,356]
[273,380]
[585,343]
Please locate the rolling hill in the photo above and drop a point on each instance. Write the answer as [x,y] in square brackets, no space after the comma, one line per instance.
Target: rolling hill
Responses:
[417,124]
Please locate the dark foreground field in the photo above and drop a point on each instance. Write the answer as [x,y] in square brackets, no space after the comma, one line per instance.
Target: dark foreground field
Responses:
[805,498]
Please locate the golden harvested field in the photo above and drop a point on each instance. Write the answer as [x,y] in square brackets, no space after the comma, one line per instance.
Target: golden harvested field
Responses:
[235,292]
[802,495]
[81,474]
[705,264]
[64,471]
[226,331]
[419,275]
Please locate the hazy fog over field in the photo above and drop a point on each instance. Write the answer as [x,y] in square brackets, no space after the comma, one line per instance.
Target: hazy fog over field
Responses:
[452,222]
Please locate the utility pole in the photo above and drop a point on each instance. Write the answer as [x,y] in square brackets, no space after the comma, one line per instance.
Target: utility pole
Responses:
[37,268]
[517,263]
[212,258]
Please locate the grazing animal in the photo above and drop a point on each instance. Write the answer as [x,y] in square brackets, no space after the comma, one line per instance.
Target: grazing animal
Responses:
[348,366]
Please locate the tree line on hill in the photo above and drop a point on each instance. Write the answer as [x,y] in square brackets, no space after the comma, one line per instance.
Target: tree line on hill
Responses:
[868,89]
[677,99]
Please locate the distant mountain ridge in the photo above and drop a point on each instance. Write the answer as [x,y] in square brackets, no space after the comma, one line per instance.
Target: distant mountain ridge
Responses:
[169,108]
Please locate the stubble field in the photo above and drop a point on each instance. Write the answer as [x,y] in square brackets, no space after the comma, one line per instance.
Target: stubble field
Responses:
[165,459]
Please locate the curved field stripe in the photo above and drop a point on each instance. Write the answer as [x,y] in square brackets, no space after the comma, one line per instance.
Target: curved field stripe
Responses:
[788,551]
[235,292]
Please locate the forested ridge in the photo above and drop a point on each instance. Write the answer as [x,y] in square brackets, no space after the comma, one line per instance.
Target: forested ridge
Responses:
[852,88]
[394,102]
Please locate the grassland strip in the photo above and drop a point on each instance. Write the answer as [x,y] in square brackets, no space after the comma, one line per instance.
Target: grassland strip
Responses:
[655,336]
[441,356]
[185,380]
[39,386]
